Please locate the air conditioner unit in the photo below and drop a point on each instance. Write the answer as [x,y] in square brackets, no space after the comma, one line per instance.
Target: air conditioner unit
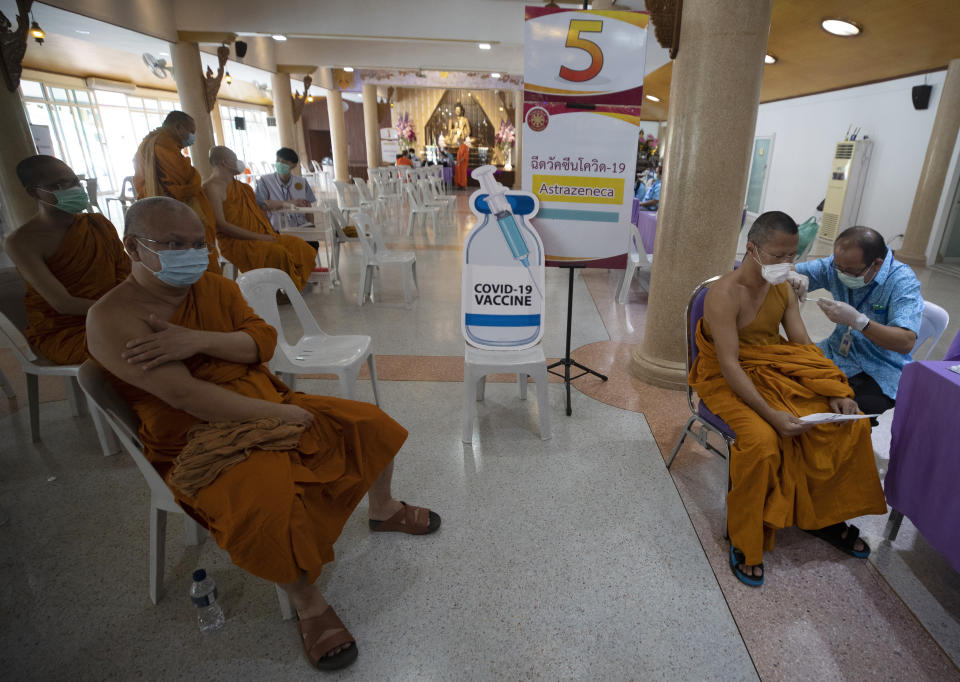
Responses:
[109,85]
[841,208]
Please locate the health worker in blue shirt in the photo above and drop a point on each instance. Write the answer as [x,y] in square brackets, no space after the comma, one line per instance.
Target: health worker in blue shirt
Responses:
[650,200]
[877,308]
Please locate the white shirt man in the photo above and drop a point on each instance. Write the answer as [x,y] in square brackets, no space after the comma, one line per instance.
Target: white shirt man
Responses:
[282,189]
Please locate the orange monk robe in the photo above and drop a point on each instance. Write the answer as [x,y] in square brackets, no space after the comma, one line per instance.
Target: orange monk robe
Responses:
[813,480]
[89,262]
[161,170]
[460,170]
[288,253]
[404,161]
[278,512]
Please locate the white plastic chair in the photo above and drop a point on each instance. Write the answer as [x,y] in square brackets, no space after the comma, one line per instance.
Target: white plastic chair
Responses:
[347,198]
[34,367]
[431,197]
[376,254]
[932,325]
[315,351]
[125,198]
[418,209]
[638,260]
[125,426]
[478,363]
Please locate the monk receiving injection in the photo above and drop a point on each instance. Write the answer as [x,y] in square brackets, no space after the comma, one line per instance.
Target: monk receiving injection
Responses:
[187,353]
[783,471]
[68,259]
[244,232]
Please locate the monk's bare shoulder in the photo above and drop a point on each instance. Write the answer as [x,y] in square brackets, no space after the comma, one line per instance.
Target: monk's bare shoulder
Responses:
[33,238]
[724,294]
[215,189]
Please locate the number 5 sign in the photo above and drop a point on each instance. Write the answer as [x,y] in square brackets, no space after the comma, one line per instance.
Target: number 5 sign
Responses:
[593,56]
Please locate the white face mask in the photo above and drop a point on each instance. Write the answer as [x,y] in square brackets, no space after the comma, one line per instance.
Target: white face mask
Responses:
[776,273]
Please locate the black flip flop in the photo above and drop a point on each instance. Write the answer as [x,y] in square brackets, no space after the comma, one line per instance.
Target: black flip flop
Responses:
[738,557]
[834,535]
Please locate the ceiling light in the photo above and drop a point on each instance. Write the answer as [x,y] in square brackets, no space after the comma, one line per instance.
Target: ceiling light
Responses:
[348,69]
[494,75]
[769,59]
[484,46]
[83,33]
[228,78]
[841,27]
[37,32]
[279,37]
[652,98]
[309,98]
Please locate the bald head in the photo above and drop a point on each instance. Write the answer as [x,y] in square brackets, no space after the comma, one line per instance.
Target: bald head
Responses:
[162,218]
[44,171]
[181,126]
[223,156]
[178,118]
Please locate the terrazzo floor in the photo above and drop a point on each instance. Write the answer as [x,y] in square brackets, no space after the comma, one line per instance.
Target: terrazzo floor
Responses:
[574,558]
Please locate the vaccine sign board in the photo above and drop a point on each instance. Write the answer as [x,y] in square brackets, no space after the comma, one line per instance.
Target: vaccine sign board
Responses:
[502,278]
[583,86]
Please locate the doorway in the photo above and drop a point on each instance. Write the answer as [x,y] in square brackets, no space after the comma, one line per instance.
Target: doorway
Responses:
[949,252]
[759,172]
[319,146]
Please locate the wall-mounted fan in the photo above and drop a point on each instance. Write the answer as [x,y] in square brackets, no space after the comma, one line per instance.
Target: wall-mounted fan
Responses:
[158,67]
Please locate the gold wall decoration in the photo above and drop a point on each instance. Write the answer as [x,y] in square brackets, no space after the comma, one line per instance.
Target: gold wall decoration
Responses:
[13,44]
[300,98]
[211,82]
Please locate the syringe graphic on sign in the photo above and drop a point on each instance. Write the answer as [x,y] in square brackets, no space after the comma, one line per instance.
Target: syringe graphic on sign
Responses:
[502,281]
[500,207]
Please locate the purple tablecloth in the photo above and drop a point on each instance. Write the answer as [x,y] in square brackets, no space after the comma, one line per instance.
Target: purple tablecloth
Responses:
[646,223]
[448,175]
[923,479]
[636,210]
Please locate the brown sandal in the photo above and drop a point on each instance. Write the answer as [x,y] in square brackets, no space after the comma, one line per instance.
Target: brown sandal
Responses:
[324,633]
[410,519]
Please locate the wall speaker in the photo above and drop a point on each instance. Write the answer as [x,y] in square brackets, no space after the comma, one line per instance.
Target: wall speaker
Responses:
[921,96]
[240,47]
[239,123]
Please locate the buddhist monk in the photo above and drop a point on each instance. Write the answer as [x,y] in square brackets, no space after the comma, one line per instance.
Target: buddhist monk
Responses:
[67,258]
[783,471]
[185,350]
[161,170]
[243,230]
[463,160]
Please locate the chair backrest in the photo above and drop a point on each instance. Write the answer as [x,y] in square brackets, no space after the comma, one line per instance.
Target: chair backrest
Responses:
[345,194]
[413,196]
[13,316]
[126,426]
[953,352]
[694,313]
[14,339]
[370,240]
[362,189]
[127,190]
[932,325]
[259,288]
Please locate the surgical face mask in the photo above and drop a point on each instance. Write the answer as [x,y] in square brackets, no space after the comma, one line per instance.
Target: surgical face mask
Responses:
[850,281]
[282,168]
[70,200]
[776,273]
[191,138]
[241,166]
[180,268]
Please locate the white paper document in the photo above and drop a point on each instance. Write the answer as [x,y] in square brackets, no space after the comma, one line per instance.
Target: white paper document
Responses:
[828,417]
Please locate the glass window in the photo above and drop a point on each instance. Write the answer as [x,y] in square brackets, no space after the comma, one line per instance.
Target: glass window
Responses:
[58,94]
[82,96]
[134,102]
[114,99]
[31,89]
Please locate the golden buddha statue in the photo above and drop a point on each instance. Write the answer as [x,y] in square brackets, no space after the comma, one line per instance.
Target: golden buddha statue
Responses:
[458,128]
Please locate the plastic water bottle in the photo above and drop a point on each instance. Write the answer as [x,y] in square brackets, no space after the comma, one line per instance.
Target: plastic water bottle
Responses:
[203,593]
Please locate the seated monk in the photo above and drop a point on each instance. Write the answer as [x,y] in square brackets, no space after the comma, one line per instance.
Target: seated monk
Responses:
[783,471]
[186,351]
[244,232]
[161,170]
[67,258]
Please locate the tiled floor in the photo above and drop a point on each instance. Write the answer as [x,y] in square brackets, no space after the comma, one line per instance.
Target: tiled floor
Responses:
[574,558]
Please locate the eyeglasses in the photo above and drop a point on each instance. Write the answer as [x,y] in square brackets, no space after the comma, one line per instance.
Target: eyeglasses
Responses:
[174,244]
[785,258]
[851,274]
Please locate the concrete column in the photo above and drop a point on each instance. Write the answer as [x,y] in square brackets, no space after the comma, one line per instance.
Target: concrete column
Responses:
[934,170]
[188,73]
[517,146]
[217,125]
[371,125]
[338,127]
[16,144]
[713,111]
[283,109]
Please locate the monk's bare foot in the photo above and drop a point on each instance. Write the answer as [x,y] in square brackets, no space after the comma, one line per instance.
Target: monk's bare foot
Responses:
[309,603]
[751,571]
[381,510]
[858,544]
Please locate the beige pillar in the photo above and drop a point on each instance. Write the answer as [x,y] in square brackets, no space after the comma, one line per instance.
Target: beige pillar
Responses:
[713,111]
[338,127]
[217,125]
[283,109]
[518,146]
[16,144]
[371,125]
[943,137]
[188,73]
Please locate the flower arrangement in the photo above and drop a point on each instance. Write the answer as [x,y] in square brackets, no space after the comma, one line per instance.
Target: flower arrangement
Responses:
[648,145]
[406,135]
[505,136]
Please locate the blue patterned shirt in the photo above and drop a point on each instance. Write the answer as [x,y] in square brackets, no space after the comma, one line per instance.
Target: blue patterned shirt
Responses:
[892,298]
